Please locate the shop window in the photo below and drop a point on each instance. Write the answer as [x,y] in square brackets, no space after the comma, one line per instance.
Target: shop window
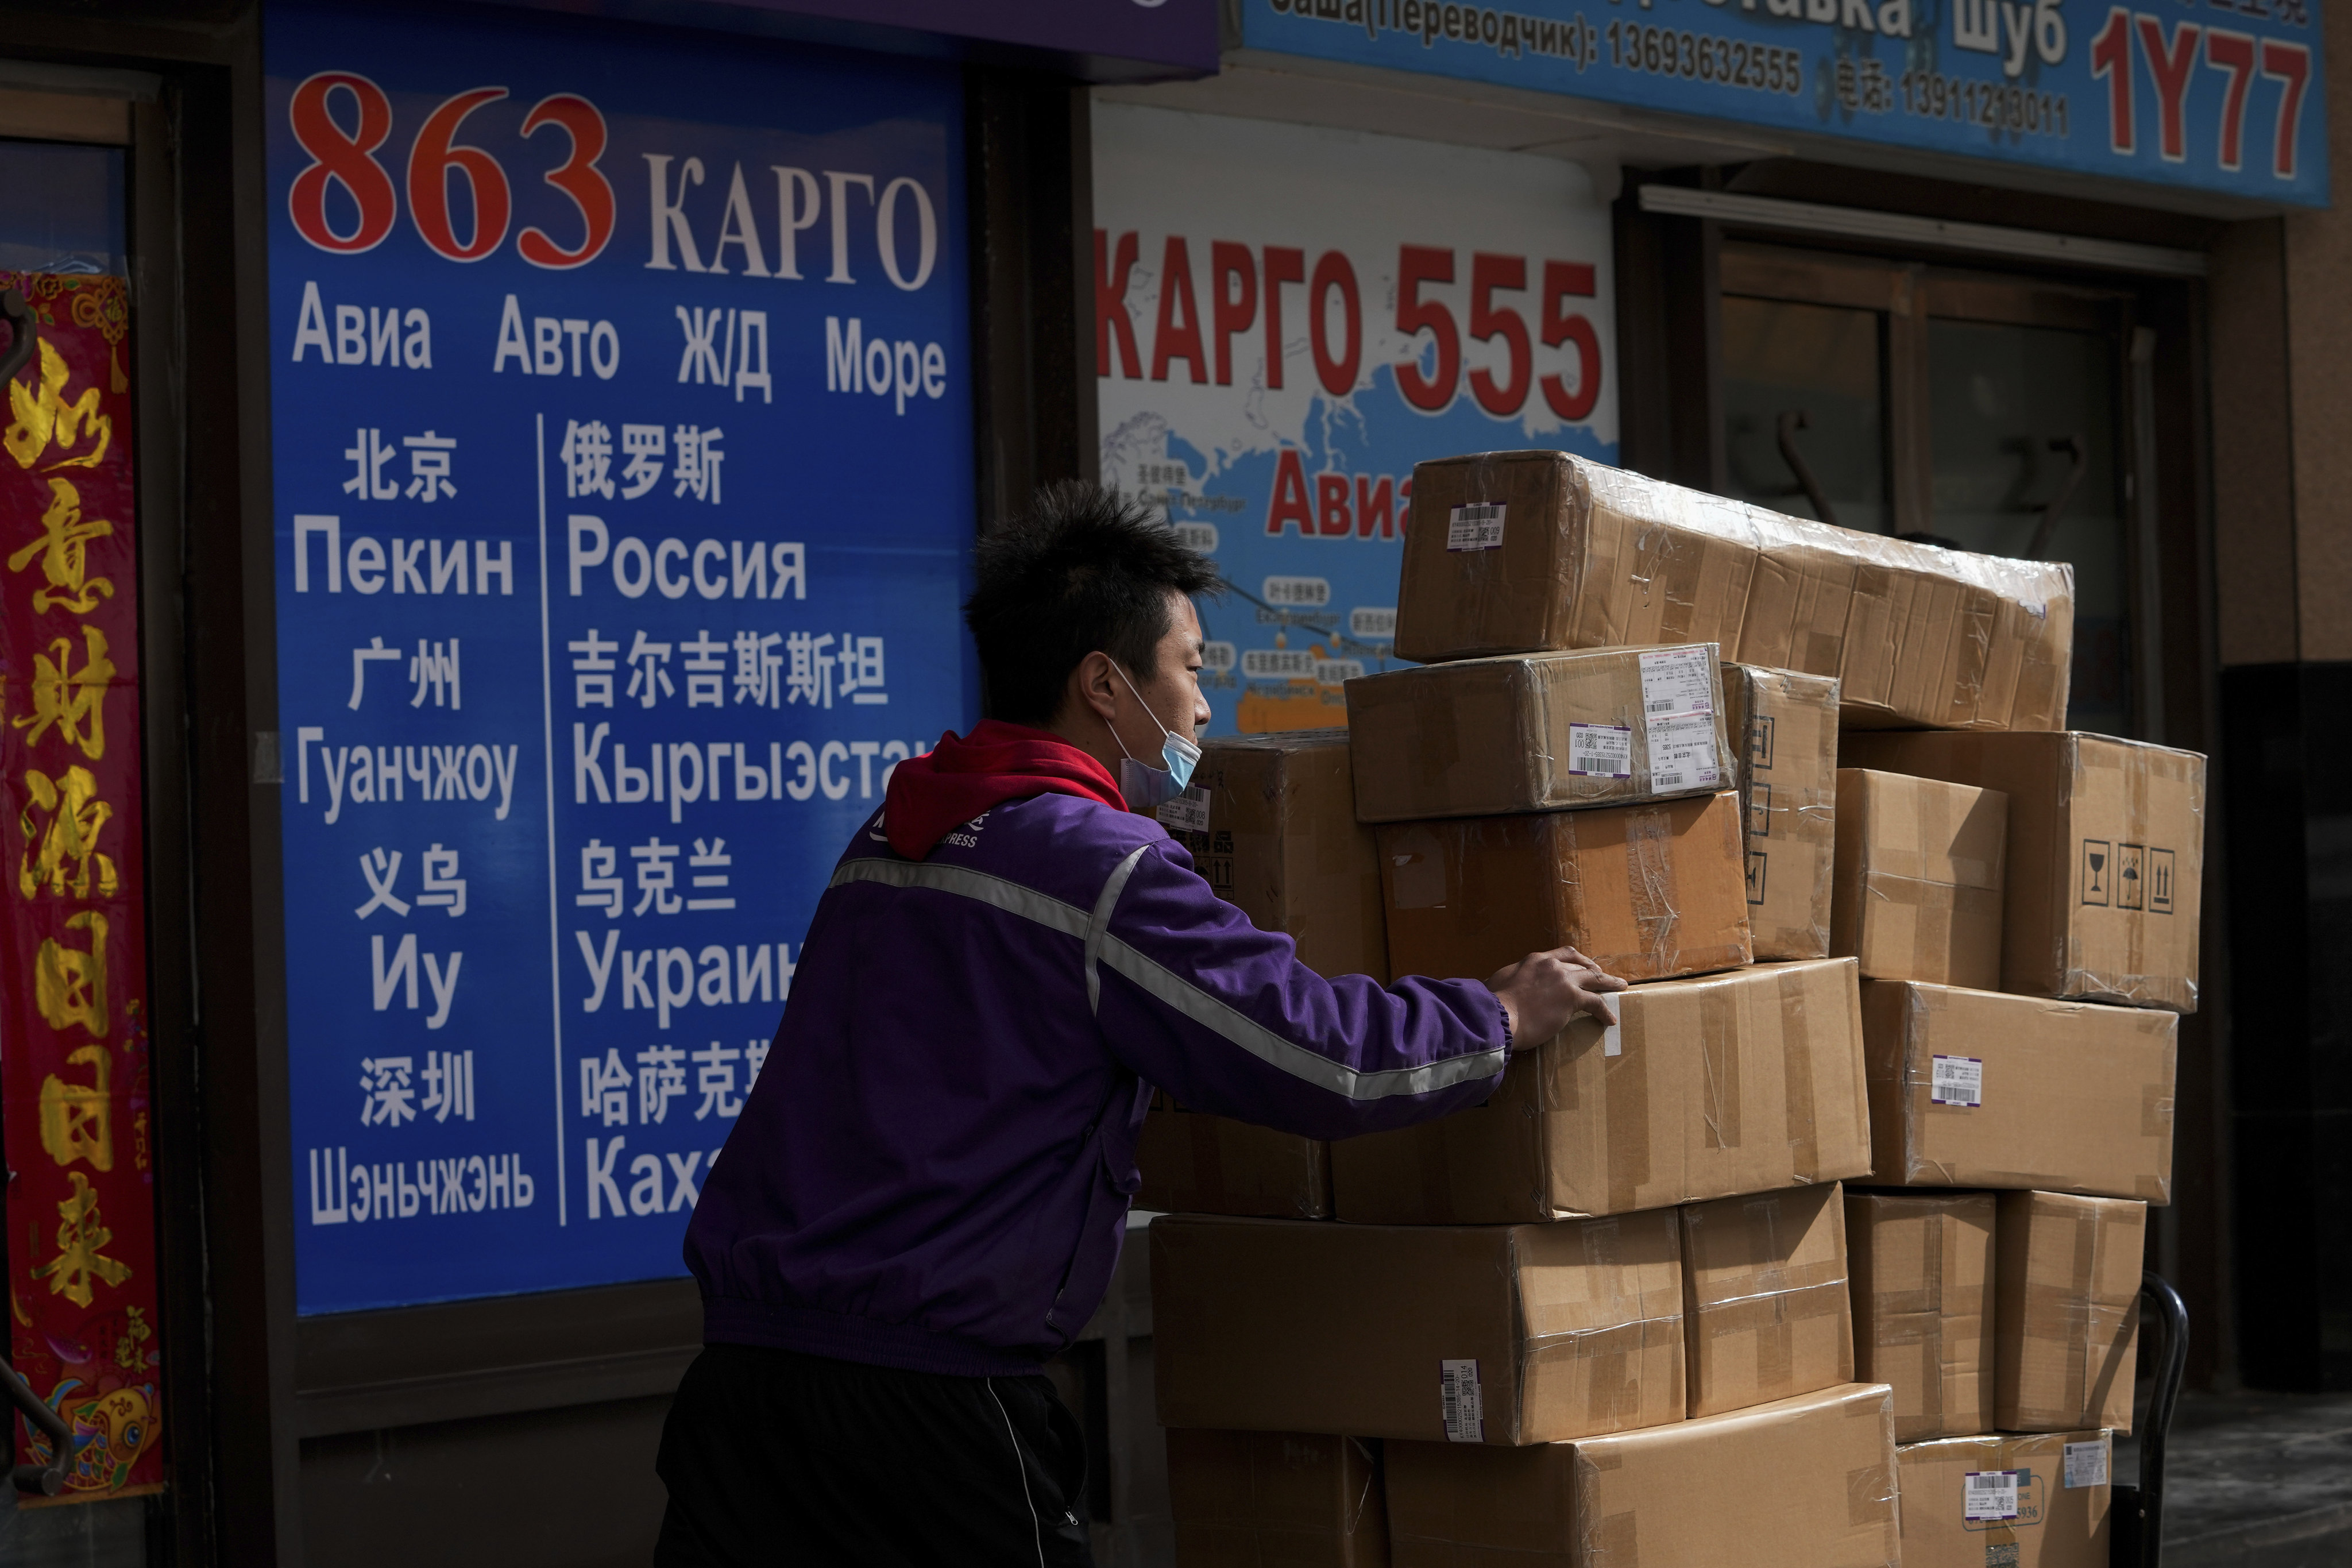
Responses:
[1981,411]
[65,208]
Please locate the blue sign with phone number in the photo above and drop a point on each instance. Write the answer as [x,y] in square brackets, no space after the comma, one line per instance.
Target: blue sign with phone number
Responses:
[2226,97]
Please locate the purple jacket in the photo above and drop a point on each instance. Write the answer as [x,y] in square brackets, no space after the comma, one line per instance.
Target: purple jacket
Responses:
[934,1168]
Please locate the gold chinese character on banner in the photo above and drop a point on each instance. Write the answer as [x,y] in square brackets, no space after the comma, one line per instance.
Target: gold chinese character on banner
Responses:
[77,1118]
[69,698]
[69,985]
[135,1332]
[45,415]
[64,550]
[59,854]
[80,1239]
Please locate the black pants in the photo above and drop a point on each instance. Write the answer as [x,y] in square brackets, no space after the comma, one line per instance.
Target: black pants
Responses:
[774,1458]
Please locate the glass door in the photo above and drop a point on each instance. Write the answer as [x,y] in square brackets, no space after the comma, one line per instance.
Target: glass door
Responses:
[1972,410]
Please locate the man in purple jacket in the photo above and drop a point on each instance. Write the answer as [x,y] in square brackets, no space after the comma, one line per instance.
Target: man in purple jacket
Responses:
[927,1190]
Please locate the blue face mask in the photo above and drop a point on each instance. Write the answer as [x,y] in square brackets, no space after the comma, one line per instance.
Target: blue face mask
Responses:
[1148,788]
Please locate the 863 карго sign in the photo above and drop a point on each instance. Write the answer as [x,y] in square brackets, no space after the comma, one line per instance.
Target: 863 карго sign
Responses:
[623,509]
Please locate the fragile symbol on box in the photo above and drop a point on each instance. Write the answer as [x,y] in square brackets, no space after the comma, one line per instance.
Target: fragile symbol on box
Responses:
[1478,526]
[1956,1081]
[1760,811]
[1465,1419]
[1988,1495]
[1601,751]
[1756,875]
[2086,1464]
[2098,872]
[1760,741]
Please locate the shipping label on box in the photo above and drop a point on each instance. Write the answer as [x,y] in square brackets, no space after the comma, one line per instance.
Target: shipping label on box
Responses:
[1980,1089]
[2021,1500]
[1645,891]
[1784,730]
[1805,1482]
[1917,892]
[2105,867]
[1766,1311]
[2066,1302]
[1501,1334]
[1922,1271]
[1538,733]
[1744,1082]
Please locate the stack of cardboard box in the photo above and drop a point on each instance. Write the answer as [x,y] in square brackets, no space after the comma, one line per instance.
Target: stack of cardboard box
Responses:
[2024,906]
[1612,1311]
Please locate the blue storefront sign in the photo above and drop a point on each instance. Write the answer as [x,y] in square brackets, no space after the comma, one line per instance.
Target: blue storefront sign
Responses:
[623,506]
[2226,96]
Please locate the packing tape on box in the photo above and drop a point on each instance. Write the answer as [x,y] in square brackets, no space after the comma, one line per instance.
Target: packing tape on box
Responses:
[1613,1538]
[1718,1041]
[1918,1074]
[1625,1101]
[1368,1496]
[1870,1495]
[1650,885]
[1772,1318]
[1797,1076]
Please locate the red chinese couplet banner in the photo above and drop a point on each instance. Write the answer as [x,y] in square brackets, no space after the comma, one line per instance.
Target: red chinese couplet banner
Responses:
[73,952]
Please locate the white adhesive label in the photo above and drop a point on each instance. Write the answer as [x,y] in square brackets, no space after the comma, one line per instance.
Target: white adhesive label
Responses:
[1988,1495]
[1612,1038]
[1682,751]
[1677,680]
[1188,813]
[1465,1419]
[1956,1081]
[1478,526]
[2086,1464]
[1601,751]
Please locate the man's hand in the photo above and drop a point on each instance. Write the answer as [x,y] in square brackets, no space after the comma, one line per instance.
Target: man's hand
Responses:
[1544,990]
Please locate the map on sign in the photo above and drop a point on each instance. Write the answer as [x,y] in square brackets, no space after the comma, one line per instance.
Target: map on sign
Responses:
[1286,320]
[623,507]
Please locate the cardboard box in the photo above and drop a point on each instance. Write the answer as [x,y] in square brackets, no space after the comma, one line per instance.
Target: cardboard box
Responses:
[1519,552]
[2027,1500]
[1917,893]
[1765,1309]
[1539,732]
[1645,891]
[2066,1303]
[1283,844]
[1921,1268]
[1978,1089]
[1194,1163]
[1807,1482]
[1783,725]
[1276,1499]
[1744,1082]
[2106,856]
[1506,1335]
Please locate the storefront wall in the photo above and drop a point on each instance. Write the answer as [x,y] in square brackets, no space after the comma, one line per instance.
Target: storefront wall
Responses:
[858,268]
[2123,265]
[1291,280]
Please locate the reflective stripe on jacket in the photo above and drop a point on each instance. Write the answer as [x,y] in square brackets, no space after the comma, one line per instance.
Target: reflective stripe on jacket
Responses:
[933,1169]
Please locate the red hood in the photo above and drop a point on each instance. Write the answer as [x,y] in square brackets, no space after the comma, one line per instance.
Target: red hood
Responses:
[931,795]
